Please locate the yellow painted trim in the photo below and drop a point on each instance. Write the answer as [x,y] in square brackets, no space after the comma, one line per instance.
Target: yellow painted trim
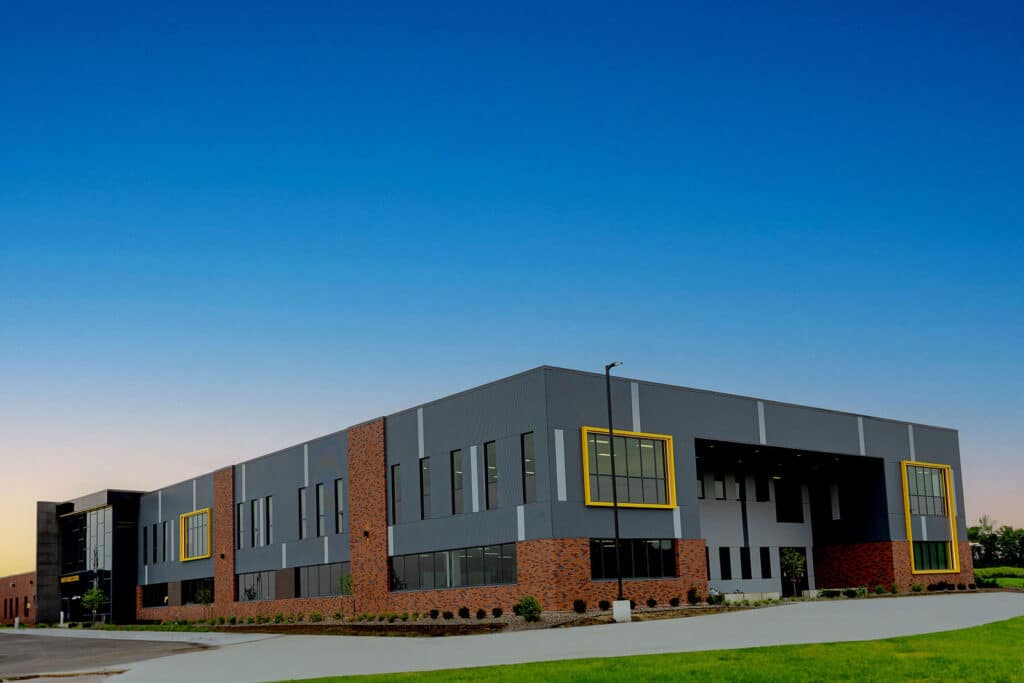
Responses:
[670,468]
[954,547]
[182,537]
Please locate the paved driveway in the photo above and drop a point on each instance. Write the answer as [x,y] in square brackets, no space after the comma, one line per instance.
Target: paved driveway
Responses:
[285,657]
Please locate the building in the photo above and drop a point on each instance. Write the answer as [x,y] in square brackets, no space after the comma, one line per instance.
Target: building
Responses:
[504,490]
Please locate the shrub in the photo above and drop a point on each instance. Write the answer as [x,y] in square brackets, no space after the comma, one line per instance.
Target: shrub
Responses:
[692,596]
[830,593]
[250,620]
[481,613]
[496,612]
[315,617]
[604,605]
[999,573]
[894,589]
[850,592]
[579,606]
[529,608]
[464,612]
[879,589]
[392,618]
[651,602]
[515,609]
[300,617]
[983,582]
[278,618]
[182,622]
[716,599]
[448,615]
[336,616]
[382,616]
[632,605]
[434,614]
[917,588]
[961,587]
[220,620]
[674,602]
[404,616]
[415,616]
[972,587]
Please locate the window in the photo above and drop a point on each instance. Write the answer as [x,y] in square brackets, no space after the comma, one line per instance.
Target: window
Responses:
[526,447]
[725,563]
[491,470]
[163,542]
[457,492]
[339,506]
[197,592]
[154,545]
[240,526]
[256,586]
[396,494]
[931,556]
[789,502]
[745,572]
[154,595]
[641,558]
[425,488]
[741,486]
[323,580]
[643,468]
[145,546]
[700,485]
[195,535]
[719,486]
[256,514]
[321,527]
[926,489]
[270,519]
[766,563]
[302,514]
[476,566]
[761,494]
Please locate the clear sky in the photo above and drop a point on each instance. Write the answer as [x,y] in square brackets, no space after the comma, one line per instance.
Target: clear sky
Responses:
[224,231]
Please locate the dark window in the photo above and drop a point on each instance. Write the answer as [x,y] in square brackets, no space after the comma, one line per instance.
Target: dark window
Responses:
[640,467]
[321,518]
[302,513]
[339,506]
[163,542]
[931,555]
[323,580]
[396,494]
[641,558]
[457,492]
[745,572]
[789,502]
[725,563]
[529,467]
[240,526]
[491,472]
[425,488]
[741,486]
[256,586]
[256,519]
[719,486]
[197,592]
[269,509]
[700,485]
[154,595]
[476,566]
[926,489]
[766,563]
[145,545]
[761,494]
[154,545]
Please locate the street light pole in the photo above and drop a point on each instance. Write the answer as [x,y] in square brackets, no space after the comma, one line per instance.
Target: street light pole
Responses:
[615,481]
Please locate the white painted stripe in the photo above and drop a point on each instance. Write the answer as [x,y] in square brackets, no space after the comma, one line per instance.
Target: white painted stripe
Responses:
[924,528]
[560,464]
[834,495]
[391,540]
[325,551]
[243,482]
[634,391]
[170,532]
[284,556]
[419,431]
[520,523]
[910,435]
[677,523]
[194,506]
[761,431]
[305,464]
[145,572]
[472,474]
[159,506]
[810,572]
[860,434]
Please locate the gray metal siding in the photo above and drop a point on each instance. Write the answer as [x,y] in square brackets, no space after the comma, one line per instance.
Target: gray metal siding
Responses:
[168,504]
[810,429]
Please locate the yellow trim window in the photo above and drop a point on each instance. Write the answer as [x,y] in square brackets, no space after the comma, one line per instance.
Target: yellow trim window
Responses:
[928,492]
[194,533]
[644,469]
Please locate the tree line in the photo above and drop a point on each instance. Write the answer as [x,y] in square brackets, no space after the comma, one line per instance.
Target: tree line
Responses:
[996,547]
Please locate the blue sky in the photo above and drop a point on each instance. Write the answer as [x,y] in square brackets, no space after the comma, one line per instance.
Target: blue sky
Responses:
[224,230]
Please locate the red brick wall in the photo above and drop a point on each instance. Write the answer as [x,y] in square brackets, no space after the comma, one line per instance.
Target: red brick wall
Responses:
[904,579]
[883,562]
[22,587]
[224,579]
[368,527]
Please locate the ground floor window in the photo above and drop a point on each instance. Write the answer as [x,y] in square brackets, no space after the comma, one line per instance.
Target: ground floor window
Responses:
[642,558]
[323,580]
[476,566]
[197,592]
[154,595]
[256,586]
[931,556]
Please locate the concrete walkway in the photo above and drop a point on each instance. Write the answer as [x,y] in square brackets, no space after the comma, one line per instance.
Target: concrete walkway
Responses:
[288,657]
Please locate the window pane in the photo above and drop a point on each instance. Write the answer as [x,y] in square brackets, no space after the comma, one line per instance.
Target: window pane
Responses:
[633,458]
[508,563]
[475,560]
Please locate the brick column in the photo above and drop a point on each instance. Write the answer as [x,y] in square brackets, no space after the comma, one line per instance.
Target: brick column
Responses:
[368,526]
[223,536]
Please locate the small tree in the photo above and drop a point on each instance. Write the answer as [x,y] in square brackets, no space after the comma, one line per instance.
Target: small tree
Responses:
[93,599]
[793,565]
[204,596]
[345,583]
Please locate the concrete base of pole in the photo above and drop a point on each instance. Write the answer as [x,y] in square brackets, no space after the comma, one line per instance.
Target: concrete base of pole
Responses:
[622,612]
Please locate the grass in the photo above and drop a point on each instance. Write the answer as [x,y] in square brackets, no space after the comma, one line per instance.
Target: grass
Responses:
[1010,583]
[1000,573]
[984,653]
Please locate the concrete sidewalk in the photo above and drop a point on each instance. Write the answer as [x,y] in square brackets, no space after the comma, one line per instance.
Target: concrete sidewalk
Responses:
[208,639]
[287,657]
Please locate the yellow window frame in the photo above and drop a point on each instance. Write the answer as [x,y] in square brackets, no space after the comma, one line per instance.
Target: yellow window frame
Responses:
[954,549]
[670,468]
[183,536]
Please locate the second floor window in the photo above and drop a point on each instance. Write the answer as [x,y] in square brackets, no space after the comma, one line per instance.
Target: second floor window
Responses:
[302,513]
[529,467]
[320,508]
[425,488]
[396,494]
[457,491]
[491,469]
[339,506]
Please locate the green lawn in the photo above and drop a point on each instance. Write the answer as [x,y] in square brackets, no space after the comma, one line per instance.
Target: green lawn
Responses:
[1010,583]
[986,653]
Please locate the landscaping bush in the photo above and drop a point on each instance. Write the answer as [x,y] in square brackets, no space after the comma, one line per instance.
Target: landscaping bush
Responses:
[850,592]
[315,617]
[182,622]
[674,602]
[579,606]
[651,602]
[481,613]
[692,596]
[464,612]
[982,582]
[250,620]
[515,609]
[300,617]
[278,618]
[435,613]
[415,616]
[961,587]
[392,618]
[529,608]
[336,616]
[830,593]
[879,589]
[999,573]
[632,605]
[448,615]
[604,605]
[404,616]
[917,588]
[220,620]
[972,587]
[715,599]
[497,612]
[894,589]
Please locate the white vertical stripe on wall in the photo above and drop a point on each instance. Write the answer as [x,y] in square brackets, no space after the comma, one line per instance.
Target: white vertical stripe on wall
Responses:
[305,464]
[910,436]
[419,431]
[472,474]
[924,528]
[284,556]
[811,584]
[170,532]
[520,523]
[194,494]
[634,391]
[860,434]
[762,433]
[145,573]
[560,463]
[159,506]
[325,550]
[391,540]
[677,523]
